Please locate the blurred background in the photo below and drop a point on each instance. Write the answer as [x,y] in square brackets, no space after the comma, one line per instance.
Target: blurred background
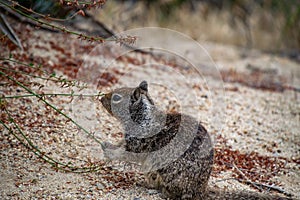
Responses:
[272,26]
[269,25]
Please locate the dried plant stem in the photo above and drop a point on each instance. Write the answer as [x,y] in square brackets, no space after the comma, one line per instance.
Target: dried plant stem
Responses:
[269,187]
[63,29]
[259,186]
[50,105]
[19,62]
[53,95]
[47,16]
[28,144]
[31,75]
[56,164]
[49,77]
[245,177]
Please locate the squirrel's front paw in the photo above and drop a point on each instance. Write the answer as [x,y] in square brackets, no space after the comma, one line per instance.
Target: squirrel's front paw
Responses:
[110,151]
[108,145]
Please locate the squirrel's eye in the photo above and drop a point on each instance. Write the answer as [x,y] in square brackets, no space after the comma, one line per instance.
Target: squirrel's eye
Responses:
[116,98]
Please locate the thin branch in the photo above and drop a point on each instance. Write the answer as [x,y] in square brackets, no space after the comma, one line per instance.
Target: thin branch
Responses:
[259,186]
[51,77]
[245,177]
[50,105]
[26,142]
[29,145]
[27,20]
[84,4]
[47,17]
[19,62]
[63,29]
[225,179]
[270,187]
[54,95]
[9,32]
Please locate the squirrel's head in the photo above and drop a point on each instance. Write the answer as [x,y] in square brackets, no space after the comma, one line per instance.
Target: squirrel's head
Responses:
[129,103]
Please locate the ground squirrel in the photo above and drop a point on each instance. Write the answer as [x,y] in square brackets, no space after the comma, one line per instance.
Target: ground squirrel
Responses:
[174,150]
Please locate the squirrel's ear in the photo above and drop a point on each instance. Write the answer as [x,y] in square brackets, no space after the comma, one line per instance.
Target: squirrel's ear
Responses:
[136,94]
[141,89]
[144,86]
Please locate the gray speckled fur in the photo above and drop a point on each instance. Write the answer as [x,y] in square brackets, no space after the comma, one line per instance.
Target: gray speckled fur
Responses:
[175,151]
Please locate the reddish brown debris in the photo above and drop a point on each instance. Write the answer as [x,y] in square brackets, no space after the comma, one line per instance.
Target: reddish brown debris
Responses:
[257,79]
[255,166]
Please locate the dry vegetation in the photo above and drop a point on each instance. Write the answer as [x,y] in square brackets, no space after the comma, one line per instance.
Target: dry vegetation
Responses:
[272,26]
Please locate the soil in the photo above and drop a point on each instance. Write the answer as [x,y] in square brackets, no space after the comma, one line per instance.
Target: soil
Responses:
[248,101]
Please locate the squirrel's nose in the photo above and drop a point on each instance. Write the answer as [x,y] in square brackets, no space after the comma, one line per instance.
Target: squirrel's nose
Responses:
[101,99]
[106,101]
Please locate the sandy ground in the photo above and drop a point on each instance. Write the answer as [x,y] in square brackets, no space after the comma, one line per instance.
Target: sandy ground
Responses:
[253,112]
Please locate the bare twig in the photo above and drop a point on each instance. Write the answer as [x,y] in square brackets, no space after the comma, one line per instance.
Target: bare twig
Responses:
[63,29]
[49,77]
[50,105]
[259,186]
[245,177]
[270,187]
[225,179]
[25,141]
[48,17]
[53,95]
[9,32]
[27,20]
